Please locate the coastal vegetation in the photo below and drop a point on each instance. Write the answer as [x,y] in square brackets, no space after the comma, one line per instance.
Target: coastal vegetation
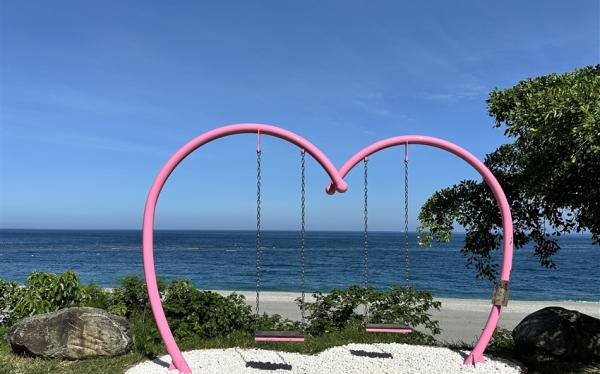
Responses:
[204,319]
[549,172]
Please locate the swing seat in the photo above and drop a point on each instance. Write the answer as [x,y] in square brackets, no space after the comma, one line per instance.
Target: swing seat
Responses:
[279,336]
[388,328]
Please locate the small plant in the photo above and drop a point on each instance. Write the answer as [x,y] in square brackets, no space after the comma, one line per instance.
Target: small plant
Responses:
[404,305]
[8,299]
[131,296]
[341,308]
[147,339]
[203,313]
[502,341]
[335,311]
[97,297]
[276,322]
[42,293]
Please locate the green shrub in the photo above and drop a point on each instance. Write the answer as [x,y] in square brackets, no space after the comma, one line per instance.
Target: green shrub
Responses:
[42,293]
[195,316]
[203,313]
[342,308]
[404,305]
[8,300]
[147,338]
[131,296]
[335,311]
[98,297]
[502,341]
[276,322]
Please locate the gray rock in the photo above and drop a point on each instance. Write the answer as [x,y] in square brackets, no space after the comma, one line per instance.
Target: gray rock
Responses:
[559,332]
[72,334]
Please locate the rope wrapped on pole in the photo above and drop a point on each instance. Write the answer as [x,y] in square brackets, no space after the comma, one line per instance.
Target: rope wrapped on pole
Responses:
[501,294]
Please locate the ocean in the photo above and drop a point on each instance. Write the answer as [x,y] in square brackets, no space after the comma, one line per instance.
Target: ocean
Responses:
[225,260]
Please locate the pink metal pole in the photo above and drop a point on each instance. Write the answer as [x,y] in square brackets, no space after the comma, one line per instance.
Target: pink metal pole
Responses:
[477,352]
[178,362]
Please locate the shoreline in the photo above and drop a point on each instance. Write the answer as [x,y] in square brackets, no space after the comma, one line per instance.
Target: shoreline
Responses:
[309,293]
[288,294]
[460,319]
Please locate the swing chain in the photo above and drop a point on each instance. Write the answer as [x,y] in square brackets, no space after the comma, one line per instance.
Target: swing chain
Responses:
[406,244]
[302,231]
[258,236]
[366,236]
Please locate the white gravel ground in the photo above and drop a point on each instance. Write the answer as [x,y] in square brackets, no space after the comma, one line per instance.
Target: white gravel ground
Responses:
[348,359]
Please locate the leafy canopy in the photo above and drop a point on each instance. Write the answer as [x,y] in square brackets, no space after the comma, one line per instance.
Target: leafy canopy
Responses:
[550,172]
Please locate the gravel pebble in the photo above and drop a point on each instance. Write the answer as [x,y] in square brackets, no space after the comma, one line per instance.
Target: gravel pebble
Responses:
[348,359]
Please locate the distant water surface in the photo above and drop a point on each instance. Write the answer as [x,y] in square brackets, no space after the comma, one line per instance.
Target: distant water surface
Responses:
[226,260]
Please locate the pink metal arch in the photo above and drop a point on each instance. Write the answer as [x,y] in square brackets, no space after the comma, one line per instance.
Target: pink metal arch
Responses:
[507,246]
[178,362]
[338,184]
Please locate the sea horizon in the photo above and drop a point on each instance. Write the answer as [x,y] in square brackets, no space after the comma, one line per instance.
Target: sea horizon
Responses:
[225,260]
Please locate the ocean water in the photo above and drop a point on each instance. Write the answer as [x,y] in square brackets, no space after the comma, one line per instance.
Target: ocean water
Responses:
[226,260]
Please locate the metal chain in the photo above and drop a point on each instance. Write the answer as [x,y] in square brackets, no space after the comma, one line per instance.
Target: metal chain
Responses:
[366,235]
[258,237]
[302,231]
[406,244]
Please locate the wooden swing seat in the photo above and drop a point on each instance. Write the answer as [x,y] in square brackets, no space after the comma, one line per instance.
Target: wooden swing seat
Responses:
[279,336]
[388,328]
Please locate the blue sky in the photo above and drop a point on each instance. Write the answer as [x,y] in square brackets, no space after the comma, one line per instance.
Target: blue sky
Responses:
[96,96]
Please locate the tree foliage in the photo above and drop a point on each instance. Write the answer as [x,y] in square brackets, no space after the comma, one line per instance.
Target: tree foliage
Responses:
[550,172]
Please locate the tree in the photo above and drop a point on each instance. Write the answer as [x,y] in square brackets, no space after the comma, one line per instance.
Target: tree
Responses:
[550,172]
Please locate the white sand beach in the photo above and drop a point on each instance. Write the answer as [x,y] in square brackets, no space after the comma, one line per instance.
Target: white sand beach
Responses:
[460,319]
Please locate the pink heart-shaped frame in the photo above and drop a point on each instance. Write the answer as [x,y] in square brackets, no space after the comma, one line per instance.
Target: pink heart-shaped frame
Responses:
[337,184]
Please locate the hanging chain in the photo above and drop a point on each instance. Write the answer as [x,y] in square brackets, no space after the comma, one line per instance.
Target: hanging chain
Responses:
[544,225]
[302,231]
[366,236]
[406,244]
[258,237]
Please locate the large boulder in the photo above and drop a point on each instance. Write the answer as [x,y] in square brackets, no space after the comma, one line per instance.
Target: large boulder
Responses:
[72,334]
[559,332]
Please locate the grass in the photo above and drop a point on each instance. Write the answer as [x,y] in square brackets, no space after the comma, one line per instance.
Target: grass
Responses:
[500,346]
[14,364]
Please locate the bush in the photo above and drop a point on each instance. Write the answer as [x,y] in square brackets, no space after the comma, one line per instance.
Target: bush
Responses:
[7,301]
[98,297]
[196,315]
[42,293]
[404,305]
[199,315]
[147,339]
[131,296]
[340,309]
[502,341]
[276,322]
[48,292]
[203,313]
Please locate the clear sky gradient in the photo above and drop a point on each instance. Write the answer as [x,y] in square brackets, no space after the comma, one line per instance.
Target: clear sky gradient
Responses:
[96,96]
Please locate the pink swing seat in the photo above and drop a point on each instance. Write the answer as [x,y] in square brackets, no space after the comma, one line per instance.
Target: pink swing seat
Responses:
[388,328]
[279,336]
